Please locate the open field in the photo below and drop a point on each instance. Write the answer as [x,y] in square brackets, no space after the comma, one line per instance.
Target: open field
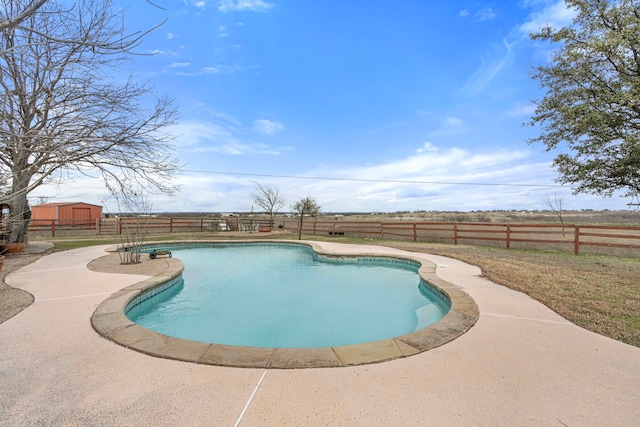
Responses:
[585,216]
[621,217]
[600,293]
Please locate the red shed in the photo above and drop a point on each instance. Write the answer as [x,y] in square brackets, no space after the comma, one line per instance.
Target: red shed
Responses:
[66,213]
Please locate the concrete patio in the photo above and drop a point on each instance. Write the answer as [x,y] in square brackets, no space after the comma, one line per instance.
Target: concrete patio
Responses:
[520,364]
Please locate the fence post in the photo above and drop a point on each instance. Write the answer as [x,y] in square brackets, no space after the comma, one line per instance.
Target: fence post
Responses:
[53,228]
[576,240]
[382,230]
[170,224]
[508,236]
[455,233]
[97,226]
[415,233]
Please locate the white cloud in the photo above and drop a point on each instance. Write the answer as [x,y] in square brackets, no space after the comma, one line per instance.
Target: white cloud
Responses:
[267,127]
[218,116]
[485,14]
[193,134]
[555,15]
[449,125]
[222,135]
[489,68]
[221,69]
[218,69]
[453,121]
[171,36]
[431,178]
[521,110]
[427,148]
[244,5]
[179,64]
[200,4]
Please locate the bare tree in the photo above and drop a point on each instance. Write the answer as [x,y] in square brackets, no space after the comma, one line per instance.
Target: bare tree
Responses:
[635,202]
[133,230]
[62,113]
[41,200]
[12,17]
[268,198]
[555,204]
[20,14]
[305,206]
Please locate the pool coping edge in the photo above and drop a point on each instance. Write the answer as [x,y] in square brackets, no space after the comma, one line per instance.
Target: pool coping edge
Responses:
[110,321]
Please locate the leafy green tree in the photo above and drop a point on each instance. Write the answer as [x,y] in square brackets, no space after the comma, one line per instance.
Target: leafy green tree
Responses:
[305,206]
[592,102]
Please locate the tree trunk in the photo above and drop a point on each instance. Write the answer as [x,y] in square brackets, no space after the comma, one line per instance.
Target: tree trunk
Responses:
[300,226]
[17,224]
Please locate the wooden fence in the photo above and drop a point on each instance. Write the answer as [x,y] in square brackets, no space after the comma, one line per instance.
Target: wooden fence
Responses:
[600,239]
[579,239]
[118,226]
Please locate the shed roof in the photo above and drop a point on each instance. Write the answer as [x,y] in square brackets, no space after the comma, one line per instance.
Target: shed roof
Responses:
[65,204]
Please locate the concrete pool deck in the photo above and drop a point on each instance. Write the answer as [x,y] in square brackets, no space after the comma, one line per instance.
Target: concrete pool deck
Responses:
[520,364]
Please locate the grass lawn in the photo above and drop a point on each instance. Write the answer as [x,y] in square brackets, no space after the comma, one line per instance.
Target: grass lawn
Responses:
[600,293]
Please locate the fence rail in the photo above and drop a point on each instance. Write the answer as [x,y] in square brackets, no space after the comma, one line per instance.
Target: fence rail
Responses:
[597,239]
[151,225]
[602,239]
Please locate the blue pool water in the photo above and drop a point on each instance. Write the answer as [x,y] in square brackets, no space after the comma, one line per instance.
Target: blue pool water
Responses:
[286,296]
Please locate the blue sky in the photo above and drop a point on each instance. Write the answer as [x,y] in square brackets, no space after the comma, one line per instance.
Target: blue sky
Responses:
[380,105]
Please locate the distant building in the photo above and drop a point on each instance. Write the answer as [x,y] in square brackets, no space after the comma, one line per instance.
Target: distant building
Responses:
[66,213]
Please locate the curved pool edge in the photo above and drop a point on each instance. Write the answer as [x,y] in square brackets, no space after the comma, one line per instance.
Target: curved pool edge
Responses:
[110,321]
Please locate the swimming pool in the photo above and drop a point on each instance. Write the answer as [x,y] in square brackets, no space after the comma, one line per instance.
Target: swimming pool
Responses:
[287,296]
[110,321]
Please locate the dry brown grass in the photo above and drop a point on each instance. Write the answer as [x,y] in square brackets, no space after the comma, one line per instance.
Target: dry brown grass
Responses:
[599,293]
[12,300]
